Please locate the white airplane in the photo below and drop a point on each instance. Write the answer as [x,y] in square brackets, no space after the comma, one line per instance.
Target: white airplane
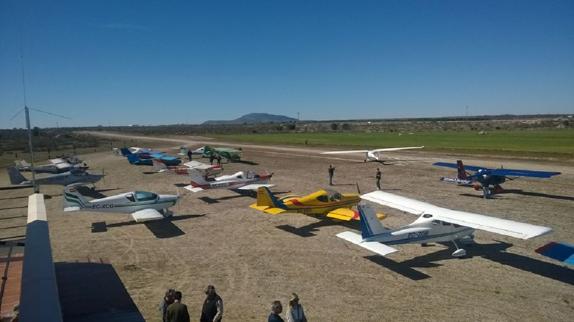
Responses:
[373,155]
[64,178]
[435,224]
[58,165]
[239,180]
[142,205]
[206,170]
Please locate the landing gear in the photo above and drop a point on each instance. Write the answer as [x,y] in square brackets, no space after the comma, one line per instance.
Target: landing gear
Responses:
[459,252]
[166,213]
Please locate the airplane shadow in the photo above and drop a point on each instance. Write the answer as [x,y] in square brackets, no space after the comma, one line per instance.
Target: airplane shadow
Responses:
[240,194]
[310,229]
[83,297]
[150,172]
[495,252]
[181,185]
[536,194]
[164,228]
[246,162]
[17,226]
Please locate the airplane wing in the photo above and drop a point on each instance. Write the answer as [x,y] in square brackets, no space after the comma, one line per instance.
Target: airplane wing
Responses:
[345,152]
[147,215]
[376,247]
[397,149]
[193,189]
[523,173]
[467,219]
[559,251]
[255,186]
[343,214]
[455,166]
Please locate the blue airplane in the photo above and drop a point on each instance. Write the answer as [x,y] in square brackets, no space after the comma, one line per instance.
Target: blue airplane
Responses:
[145,158]
[489,180]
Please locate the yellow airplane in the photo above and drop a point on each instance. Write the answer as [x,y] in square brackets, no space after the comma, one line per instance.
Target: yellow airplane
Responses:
[329,202]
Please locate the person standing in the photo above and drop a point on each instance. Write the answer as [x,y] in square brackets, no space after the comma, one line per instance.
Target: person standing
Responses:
[276,309]
[167,300]
[189,154]
[212,310]
[331,174]
[296,313]
[177,311]
[378,176]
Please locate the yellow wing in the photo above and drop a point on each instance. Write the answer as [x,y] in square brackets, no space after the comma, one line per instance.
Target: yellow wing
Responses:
[267,209]
[343,214]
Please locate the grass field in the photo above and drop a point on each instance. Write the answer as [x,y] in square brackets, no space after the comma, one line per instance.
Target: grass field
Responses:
[536,143]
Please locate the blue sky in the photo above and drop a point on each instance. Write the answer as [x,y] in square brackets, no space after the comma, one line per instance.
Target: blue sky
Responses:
[162,62]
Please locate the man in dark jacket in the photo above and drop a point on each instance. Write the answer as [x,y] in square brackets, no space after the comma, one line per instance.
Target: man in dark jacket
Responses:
[331,174]
[378,177]
[177,312]
[212,306]
[276,309]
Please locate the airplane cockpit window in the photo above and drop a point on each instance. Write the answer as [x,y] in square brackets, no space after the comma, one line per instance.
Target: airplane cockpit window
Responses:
[323,198]
[145,196]
[427,216]
[335,196]
[130,197]
[436,222]
[444,223]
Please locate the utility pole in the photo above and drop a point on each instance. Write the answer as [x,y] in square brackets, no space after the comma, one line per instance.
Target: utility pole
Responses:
[36,190]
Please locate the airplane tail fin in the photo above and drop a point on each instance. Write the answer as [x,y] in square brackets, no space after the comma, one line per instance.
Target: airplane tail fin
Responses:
[197,179]
[15,176]
[266,198]
[125,151]
[73,199]
[158,166]
[370,224]
[461,172]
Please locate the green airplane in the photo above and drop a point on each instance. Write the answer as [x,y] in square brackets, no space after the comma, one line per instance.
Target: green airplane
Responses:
[226,153]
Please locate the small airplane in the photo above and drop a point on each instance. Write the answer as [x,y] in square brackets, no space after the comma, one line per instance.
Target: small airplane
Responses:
[434,224]
[58,165]
[322,202]
[240,180]
[142,205]
[374,155]
[183,151]
[64,178]
[489,180]
[145,158]
[230,154]
[207,170]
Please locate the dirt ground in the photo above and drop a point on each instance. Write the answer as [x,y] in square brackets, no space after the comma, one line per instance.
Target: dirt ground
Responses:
[253,258]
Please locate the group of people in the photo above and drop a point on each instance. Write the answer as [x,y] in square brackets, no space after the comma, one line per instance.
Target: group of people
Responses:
[295,313]
[174,311]
[378,176]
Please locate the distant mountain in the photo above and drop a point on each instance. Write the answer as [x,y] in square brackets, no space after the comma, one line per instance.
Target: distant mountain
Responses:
[255,118]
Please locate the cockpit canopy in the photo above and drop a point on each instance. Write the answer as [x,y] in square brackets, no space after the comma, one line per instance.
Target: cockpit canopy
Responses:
[329,196]
[141,196]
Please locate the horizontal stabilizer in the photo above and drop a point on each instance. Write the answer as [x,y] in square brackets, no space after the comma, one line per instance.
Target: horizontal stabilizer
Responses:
[274,211]
[255,186]
[193,189]
[343,214]
[147,215]
[375,247]
[492,224]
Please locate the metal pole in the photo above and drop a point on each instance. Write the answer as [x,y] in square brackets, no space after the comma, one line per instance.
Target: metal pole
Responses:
[36,190]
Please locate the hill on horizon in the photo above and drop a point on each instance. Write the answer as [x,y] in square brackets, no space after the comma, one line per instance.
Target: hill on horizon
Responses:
[252,118]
